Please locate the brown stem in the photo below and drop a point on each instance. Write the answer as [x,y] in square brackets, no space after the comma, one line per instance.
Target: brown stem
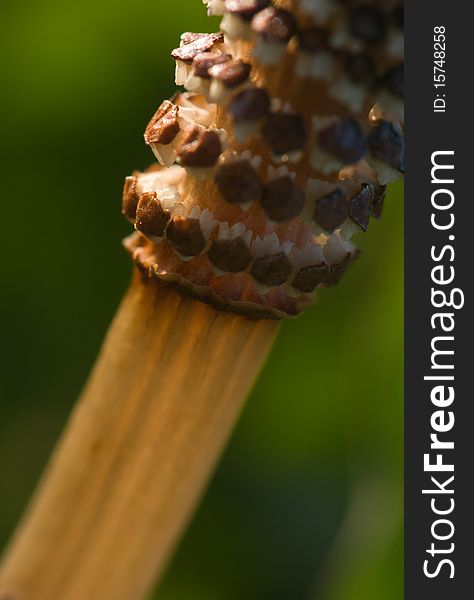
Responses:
[160,404]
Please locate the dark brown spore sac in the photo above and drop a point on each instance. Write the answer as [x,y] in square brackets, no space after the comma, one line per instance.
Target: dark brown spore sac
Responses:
[312,39]
[130,198]
[245,8]
[331,210]
[185,236]
[308,278]
[200,148]
[151,217]
[344,140]
[378,201]
[232,73]
[250,105]
[361,69]
[368,24]
[282,200]
[238,182]
[206,60]
[231,256]
[275,25]
[386,144]
[164,126]
[394,80]
[194,44]
[272,270]
[285,133]
[360,206]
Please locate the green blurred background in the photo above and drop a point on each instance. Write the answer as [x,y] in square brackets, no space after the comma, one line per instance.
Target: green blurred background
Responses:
[307,502]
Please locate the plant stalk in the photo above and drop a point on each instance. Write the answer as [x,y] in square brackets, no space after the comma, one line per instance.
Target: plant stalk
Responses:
[140,446]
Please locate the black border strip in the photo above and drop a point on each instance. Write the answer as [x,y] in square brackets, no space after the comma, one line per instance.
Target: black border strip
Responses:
[427,132]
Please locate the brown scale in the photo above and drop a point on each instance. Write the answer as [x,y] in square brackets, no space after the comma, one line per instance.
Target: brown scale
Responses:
[272,270]
[185,235]
[238,182]
[309,278]
[164,126]
[151,218]
[196,43]
[231,256]
[231,73]
[200,148]
[130,197]
[361,207]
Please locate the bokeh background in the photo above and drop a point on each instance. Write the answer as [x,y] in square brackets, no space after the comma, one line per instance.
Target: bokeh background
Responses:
[307,502]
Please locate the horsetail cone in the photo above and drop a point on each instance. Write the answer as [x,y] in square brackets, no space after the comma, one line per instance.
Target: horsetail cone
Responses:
[278,151]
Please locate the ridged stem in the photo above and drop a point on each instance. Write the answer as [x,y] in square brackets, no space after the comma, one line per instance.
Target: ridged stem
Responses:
[161,402]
